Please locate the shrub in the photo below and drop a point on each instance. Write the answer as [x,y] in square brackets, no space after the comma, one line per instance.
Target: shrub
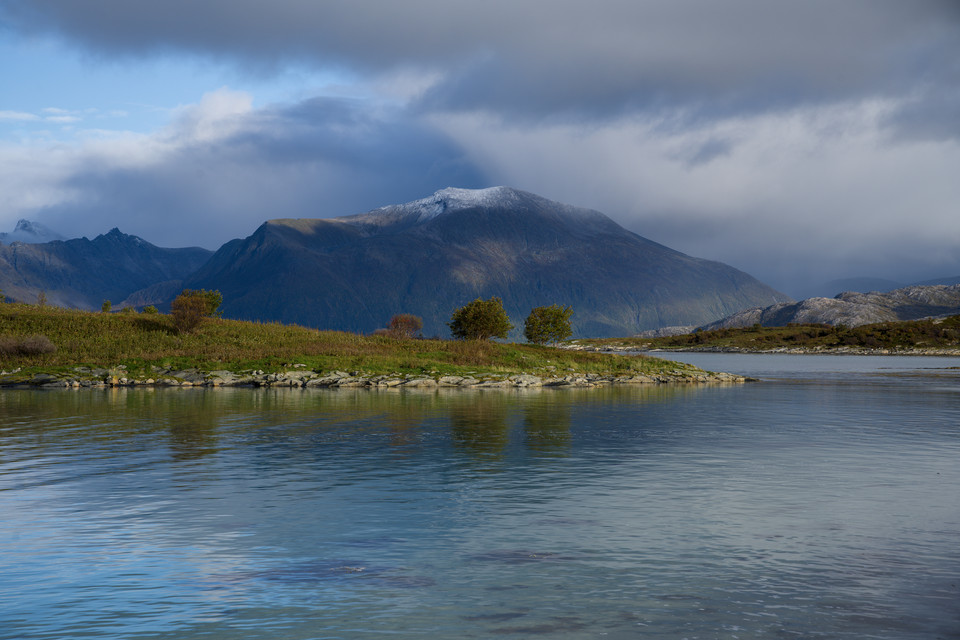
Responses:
[42,299]
[106,306]
[213,299]
[150,309]
[405,325]
[480,320]
[28,346]
[188,311]
[128,310]
[548,324]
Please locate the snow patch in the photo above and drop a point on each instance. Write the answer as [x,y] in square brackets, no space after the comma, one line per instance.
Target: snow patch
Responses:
[454,199]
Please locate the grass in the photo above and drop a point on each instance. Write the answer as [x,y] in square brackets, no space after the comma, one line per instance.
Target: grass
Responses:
[938,334]
[142,341]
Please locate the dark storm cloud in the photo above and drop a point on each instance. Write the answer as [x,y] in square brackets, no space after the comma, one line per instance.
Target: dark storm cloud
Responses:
[544,57]
[316,159]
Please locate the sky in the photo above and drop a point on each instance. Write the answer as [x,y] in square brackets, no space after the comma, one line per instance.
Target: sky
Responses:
[800,141]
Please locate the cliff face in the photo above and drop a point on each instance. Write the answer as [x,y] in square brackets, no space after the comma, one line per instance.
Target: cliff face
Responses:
[82,273]
[854,309]
[433,255]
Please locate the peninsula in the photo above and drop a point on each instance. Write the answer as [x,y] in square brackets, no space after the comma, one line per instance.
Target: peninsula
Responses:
[54,347]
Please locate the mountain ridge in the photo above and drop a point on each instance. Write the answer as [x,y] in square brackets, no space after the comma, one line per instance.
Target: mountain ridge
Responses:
[82,273]
[434,254]
[852,308]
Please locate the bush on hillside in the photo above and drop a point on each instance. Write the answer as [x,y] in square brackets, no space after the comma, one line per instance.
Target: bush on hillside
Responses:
[405,325]
[28,346]
[548,324]
[480,320]
[191,307]
[212,298]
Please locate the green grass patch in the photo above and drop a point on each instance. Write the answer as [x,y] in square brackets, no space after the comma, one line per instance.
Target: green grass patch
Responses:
[941,333]
[142,341]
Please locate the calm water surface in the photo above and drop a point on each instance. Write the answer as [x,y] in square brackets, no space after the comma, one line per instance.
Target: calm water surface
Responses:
[823,502]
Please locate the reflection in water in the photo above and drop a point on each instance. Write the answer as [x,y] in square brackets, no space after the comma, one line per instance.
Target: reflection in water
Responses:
[768,510]
[478,424]
[547,425]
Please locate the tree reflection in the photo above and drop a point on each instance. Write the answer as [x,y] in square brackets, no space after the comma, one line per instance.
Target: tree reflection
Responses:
[547,423]
[478,424]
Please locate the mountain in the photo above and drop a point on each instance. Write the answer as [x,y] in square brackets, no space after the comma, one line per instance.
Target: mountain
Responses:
[430,256]
[836,287]
[946,281]
[83,273]
[30,232]
[854,309]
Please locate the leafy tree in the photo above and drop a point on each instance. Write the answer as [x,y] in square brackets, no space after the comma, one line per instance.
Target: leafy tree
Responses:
[405,325]
[106,306]
[480,320]
[42,299]
[191,307]
[213,299]
[548,324]
[150,309]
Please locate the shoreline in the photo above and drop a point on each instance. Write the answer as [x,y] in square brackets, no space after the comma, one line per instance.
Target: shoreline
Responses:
[798,351]
[86,378]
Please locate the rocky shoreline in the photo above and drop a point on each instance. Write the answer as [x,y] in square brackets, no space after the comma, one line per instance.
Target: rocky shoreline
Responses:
[299,377]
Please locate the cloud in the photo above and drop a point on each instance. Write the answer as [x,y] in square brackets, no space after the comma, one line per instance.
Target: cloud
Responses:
[796,140]
[17,116]
[221,168]
[794,195]
[542,57]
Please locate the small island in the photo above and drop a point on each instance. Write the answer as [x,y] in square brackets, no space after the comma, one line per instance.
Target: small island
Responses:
[53,347]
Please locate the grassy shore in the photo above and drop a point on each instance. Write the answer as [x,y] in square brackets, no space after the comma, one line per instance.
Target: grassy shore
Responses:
[143,343]
[938,336]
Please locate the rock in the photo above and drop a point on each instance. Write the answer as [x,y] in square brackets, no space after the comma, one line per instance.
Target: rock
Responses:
[525,380]
[420,382]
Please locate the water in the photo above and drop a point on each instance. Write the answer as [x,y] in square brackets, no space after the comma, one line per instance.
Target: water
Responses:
[823,502]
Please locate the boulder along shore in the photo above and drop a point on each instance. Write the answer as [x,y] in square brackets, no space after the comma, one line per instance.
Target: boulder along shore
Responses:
[298,377]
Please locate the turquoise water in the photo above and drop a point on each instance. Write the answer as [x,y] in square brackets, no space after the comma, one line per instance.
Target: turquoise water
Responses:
[823,502]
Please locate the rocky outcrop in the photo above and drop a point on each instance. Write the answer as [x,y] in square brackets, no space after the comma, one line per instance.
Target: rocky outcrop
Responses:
[853,309]
[299,377]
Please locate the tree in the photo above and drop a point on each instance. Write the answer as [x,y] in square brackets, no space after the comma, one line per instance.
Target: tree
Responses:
[106,306]
[42,299]
[548,324]
[405,325]
[191,307]
[213,300]
[480,320]
[150,310]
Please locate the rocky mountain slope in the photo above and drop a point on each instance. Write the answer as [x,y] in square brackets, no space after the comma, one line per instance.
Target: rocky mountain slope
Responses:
[82,273]
[433,255]
[853,309]
[30,232]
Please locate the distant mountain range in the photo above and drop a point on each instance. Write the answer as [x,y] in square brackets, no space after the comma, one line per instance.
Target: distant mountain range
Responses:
[433,255]
[82,273]
[865,284]
[854,309]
